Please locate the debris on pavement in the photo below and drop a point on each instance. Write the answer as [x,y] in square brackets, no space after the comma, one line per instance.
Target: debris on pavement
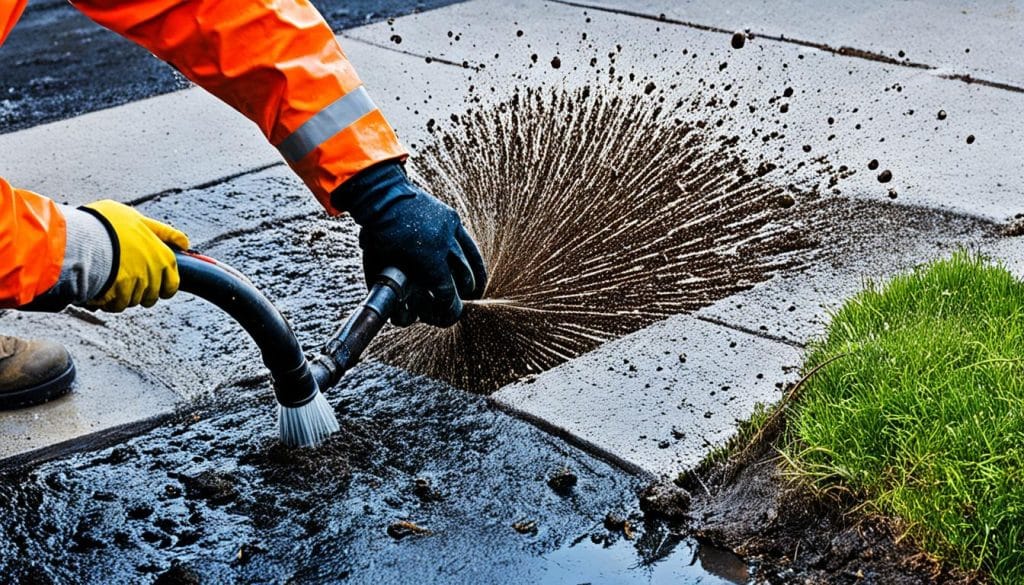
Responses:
[403,528]
[563,480]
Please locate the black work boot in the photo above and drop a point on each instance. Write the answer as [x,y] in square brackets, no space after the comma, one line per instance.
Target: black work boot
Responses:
[33,371]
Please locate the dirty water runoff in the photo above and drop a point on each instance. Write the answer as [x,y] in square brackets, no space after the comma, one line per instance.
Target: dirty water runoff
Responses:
[425,483]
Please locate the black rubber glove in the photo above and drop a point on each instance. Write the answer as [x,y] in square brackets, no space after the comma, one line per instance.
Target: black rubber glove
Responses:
[406,227]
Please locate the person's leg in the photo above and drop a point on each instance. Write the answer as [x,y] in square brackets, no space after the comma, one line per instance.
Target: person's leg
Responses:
[32,372]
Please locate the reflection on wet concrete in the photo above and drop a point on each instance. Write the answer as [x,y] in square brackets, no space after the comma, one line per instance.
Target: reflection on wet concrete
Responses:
[722,563]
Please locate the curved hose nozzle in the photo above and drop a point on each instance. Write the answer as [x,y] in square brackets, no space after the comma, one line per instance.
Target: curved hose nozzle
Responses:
[343,350]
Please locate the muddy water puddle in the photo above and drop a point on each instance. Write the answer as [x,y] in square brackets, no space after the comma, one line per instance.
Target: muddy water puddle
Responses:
[425,484]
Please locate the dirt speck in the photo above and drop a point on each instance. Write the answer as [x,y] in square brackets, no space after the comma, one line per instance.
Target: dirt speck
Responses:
[397,39]
[246,552]
[403,528]
[216,488]
[666,500]
[424,490]
[178,574]
[562,481]
[525,527]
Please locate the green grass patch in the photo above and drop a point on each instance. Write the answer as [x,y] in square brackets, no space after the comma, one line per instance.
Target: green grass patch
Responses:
[925,417]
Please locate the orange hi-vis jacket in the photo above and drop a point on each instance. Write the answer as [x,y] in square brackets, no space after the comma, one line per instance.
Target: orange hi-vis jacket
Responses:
[275,61]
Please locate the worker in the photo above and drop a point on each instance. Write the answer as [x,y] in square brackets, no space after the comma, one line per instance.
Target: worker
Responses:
[278,63]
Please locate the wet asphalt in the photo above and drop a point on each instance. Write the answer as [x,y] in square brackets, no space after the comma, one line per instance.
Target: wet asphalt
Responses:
[57,63]
[424,484]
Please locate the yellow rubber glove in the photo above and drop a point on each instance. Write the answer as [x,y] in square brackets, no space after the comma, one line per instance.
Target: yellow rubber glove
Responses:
[146,269]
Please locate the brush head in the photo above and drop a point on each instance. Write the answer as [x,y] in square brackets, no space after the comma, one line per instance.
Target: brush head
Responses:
[307,425]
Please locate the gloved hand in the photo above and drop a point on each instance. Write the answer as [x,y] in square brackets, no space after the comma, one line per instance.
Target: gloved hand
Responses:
[406,227]
[144,266]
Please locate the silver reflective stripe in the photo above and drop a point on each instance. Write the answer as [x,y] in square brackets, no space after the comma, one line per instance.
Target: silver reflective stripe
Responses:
[331,120]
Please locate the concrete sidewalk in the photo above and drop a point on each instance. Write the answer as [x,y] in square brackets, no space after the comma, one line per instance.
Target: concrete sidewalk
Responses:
[200,166]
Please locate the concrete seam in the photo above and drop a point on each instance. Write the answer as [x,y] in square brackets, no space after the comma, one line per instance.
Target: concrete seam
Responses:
[88,442]
[429,58]
[754,332]
[842,51]
[574,440]
[206,185]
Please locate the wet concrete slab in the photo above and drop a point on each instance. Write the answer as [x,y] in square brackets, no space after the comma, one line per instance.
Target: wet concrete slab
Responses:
[108,393]
[164,143]
[661,398]
[870,244]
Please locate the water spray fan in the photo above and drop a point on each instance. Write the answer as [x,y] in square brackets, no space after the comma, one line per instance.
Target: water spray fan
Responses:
[304,417]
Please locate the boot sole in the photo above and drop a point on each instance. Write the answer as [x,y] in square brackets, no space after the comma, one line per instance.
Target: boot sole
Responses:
[40,393]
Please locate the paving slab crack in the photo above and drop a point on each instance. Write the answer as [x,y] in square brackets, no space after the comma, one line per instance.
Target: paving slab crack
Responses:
[749,331]
[844,51]
[428,58]
[574,439]
[202,186]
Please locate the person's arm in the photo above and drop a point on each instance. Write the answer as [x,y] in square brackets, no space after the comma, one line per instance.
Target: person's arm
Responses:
[32,241]
[9,16]
[105,254]
[278,63]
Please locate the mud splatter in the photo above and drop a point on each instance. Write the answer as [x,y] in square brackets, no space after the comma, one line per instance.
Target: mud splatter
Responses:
[598,214]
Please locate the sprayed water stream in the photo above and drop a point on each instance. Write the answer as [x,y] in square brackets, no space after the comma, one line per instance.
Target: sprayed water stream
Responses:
[598,213]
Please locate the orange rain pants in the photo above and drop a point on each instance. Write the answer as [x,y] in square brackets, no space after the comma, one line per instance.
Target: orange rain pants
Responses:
[275,61]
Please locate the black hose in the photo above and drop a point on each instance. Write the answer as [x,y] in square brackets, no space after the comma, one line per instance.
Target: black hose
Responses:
[229,290]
